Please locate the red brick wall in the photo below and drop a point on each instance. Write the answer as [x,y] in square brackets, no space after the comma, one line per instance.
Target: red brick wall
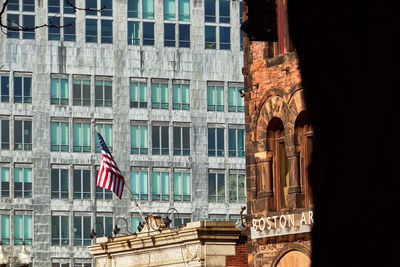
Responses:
[240,258]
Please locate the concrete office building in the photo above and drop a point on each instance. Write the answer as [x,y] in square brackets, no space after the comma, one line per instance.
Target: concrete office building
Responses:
[161,79]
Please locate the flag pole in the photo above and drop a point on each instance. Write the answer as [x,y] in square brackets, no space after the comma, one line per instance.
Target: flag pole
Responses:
[129,189]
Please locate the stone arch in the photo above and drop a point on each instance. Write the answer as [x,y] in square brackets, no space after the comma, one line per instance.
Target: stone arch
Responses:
[293,255]
[296,102]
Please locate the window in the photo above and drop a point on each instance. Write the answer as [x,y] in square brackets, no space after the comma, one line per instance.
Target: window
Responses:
[180,96]
[217,22]
[59,136]
[81,184]
[237,188]
[235,101]
[236,142]
[182,186]
[103,93]
[59,91]
[81,92]
[4,134]
[148,33]
[182,27]
[216,187]
[160,140]
[82,229]
[81,138]
[216,142]
[139,182]
[59,263]
[59,183]
[139,139]
[135,220]
[22,135]
[179,221]
[4,88]
[160,188]
[106,132]
[101,192]
[60,230]
[23,229]
[5,182]
[148,9]
[104,226]
[159,95]
[138,95]
[21,12]
[99,20]
[181,141]
[22,182]
[62,14]
[141,22]
[240,23]
[22,89]
[82,263]
[215,98]
[5,229]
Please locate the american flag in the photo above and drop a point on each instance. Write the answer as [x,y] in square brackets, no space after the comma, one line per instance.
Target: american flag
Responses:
[109,176]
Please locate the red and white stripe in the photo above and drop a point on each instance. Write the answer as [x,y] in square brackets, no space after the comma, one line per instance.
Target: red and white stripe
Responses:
[109,176]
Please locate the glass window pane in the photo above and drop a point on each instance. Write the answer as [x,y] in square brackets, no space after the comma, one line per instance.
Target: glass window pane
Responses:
[156,139]
[69,29]
[133,8]
[133,33]
[148,33]
[92,6]
[186,187]
[18,229]
[164,96]
[185,94]
[209,11]
[224,11]
[54,32]
[12,23]
[169,9]
[211,142]
[28,22]
[186,137]
[156,185]
[221,187]
[107,4]
[135,183]
[224,38]
[148,9]
[143,136]
[177,141]
[165,185]
[91,30]
[210,37]
[53,6]
[184,35]
[212,185]
[220,139]
[5,228]
[232,188]
[143,183]
[69,7]
[169,34]
[184,10]
[106,31]
[177,186]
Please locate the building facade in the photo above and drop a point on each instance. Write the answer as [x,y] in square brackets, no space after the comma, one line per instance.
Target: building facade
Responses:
[278,148]
[160,79]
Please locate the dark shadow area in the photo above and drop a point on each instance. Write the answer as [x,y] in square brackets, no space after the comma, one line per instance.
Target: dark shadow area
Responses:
[349,56]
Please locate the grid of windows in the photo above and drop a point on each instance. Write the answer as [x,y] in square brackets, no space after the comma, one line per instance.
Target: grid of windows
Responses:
[217,24]
[62,16]
[59,183]
[99,20]
[21,13]
[4,88]
[4,134]
[22,182]
[141,22]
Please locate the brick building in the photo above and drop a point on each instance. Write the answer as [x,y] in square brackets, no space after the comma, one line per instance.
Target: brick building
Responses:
[278,148]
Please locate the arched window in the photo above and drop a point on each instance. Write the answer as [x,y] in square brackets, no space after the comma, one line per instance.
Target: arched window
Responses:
[276,146]
[304,141]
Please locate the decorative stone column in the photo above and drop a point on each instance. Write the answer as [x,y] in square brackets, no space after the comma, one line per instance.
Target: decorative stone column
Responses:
[294,173]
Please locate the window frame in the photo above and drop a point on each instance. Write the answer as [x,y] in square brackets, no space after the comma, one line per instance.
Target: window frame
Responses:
[23,11]
[59,100]
[180,104]
[78,145]
[214,22]
[100,18]
[136,95]
[65,17]
[236,153]
[5,140]
[4,92]
[142,192]
[59,193]
[162,196]
[218,197]
[60,146]
[180,185]
[84,239]
[5,182]
[103,101]
[234,197]
[84,84]
[60,240]
[163,150]
[5,237]
[142,149]
[81,194]
[24,145]
[26,190]
[24,236]
[25,99]
[218,151]
[179,149]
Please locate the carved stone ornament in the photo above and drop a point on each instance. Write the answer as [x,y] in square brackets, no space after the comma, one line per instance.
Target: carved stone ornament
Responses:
[192,253]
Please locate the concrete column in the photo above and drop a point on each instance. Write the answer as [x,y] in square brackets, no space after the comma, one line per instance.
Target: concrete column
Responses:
[294,173]
[269,177]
